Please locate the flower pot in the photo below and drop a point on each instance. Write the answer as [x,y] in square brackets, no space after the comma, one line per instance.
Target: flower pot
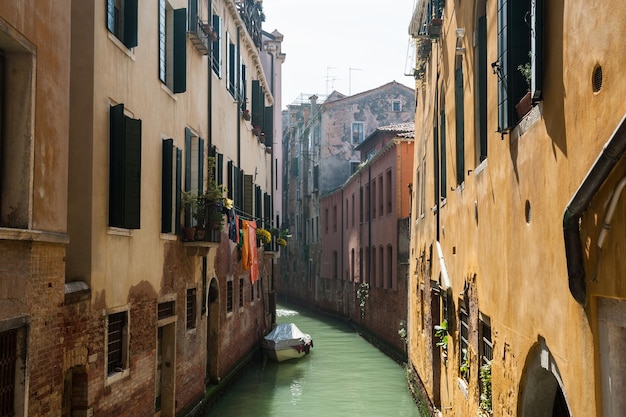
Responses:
[524,105]
[200,234]
[189,233]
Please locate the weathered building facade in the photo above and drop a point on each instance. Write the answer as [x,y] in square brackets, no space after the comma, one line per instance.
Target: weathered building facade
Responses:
[365,239]
[516,307]
[34,85]
[320,142]
[170,131]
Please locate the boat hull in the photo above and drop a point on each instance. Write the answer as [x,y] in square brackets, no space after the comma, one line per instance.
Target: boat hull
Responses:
[282,355]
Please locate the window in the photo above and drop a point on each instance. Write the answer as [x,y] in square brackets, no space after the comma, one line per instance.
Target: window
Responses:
[486,345]
[326,220]
[396,106]
[480,106]
[367,264]
[17,72]
[194,168]
[357,132]
[381,194]
[354,166]
[231,66]
[229,295]
[122,21]
[367,202]
[361,204]
[389,192]
[459,121]
[353,206]
[519,45]
[12,371]
[240,292]
[258,110]
[124,170]
[373,270]
[334,218]
[335,264]
[381,261]
[390,265]
[464,341]
[171,175]
[443,155]
[352,265]
[166,309]
[373,200]
[216,46]
[191,308]
[117,342]
[172,47]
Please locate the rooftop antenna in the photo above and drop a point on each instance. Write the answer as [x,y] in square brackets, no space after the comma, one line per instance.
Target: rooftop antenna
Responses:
[350,78]
[331,79]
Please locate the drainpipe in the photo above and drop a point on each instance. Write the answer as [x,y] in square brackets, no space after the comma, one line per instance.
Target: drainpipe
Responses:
[611,153]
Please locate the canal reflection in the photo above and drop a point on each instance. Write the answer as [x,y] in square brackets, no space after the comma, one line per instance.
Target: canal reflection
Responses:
[343,376]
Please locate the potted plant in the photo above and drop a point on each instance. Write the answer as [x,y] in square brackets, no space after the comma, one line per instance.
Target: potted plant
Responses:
[190,206]
[280,235]
[245,114]
[525,104]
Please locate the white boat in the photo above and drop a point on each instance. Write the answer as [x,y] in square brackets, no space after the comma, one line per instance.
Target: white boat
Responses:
[286,342]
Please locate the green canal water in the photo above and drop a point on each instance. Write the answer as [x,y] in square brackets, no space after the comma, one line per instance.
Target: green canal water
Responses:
[344,376]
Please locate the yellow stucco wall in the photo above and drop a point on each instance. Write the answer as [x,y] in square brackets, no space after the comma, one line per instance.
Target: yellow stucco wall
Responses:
[516,269]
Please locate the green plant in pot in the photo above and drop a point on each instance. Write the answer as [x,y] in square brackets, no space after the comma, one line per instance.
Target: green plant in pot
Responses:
[190,202]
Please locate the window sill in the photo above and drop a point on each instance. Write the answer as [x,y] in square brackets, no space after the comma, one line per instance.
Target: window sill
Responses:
[118,231]
[121,46]
[34,236]
[169,92]
[116,376]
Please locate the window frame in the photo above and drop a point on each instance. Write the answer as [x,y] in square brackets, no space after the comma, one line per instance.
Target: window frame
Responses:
[122,371]
[124,28]
[358,134]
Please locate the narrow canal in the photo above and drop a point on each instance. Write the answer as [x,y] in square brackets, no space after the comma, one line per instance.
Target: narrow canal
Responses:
[343,376]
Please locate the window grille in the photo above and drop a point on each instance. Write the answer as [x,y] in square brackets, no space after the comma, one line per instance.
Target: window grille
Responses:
[8,359]
[117,324]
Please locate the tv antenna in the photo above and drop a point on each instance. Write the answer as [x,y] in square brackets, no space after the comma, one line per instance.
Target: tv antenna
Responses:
[350,78]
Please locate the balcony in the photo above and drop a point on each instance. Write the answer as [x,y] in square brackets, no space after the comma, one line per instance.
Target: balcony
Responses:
[201,34]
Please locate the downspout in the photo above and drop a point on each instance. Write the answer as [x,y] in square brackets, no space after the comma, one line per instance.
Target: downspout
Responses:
[611,153]
[238,80]
[369,224]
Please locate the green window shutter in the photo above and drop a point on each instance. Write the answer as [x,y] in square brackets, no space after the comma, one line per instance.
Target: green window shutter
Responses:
[132,174]
[258,104]
[116,166]
[111,15]
[536,48]
[180,51]
[504,106]
[178,189]
[193,15]
[248,194]
[267,209]
[436,166]
[167,185]
[258,202]
[232,73]
[200,164]
[187,159]
[482,88]
[220,169]
[230,180]
[216,47]
[243,90]
[236,186]
[268,126]
[130,23]
[444,162]
[460,125]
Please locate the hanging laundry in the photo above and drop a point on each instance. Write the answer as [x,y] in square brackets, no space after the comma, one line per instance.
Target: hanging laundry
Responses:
[253,253]
[245,249]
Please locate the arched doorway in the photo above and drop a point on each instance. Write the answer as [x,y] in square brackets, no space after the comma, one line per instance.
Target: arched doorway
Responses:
[212,332]
[541,390]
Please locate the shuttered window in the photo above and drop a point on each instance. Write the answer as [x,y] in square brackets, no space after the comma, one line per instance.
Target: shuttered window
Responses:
[194,167]
[248,194]
[170,187]
[216,46]
[172,47]
[459,124]
[520,32]
[124,170]
[268,126]
[231,63]
[121,20]
[258,104]
[481,145]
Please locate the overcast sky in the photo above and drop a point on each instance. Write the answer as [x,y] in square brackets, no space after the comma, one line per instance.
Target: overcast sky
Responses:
[323,39]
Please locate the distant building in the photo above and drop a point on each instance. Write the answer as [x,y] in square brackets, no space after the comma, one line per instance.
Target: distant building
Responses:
[364,243]
[517,304]
[320,140]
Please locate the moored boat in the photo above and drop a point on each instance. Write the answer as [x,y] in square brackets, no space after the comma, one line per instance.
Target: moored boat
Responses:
[286,342]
